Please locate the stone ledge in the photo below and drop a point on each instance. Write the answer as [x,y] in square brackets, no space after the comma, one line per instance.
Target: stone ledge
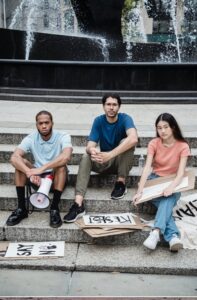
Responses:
[105,258]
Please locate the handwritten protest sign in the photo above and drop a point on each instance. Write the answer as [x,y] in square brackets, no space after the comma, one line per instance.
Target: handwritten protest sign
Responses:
[35,249]
[109,219]
[154,188]
[102,225]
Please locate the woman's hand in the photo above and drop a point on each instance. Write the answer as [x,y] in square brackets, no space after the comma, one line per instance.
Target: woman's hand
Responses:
[136,198]
[168,191]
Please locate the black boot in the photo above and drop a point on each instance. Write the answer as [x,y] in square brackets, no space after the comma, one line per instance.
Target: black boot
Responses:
[16,216]
[55,219]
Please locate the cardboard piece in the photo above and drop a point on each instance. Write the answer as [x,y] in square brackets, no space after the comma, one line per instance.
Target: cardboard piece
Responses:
[154,188]
[101,232]
[98,230]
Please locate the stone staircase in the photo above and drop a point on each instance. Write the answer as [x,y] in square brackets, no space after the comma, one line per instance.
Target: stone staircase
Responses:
[94,96]
[122,253]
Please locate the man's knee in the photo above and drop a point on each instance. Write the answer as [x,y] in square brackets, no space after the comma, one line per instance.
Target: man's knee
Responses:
[86,157]
[85,161]
[127,157]
[60,172]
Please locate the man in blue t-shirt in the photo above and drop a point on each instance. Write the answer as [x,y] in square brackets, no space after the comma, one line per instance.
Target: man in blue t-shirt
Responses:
[51,151]
[116,135]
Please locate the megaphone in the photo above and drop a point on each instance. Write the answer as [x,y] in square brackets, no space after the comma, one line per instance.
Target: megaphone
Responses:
[40,198]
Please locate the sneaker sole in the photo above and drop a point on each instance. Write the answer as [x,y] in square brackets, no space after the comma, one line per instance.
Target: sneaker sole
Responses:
[77,217]
[176,247]
[116,198]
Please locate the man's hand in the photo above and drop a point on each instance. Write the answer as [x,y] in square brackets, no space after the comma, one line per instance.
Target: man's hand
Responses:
[34,171]
[103,157]
[35,180]
[100,157]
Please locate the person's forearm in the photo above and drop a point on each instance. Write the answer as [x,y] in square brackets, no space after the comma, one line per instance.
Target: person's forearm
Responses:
[18,163]
[143,179]
[124,146]
[180,173]
[176,181]
[60,161]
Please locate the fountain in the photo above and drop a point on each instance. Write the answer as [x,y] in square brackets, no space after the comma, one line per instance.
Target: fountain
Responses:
[132,34]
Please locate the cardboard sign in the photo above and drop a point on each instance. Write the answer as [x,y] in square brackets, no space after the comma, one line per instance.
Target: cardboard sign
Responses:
[154,187]
[35,250]
[3,249]
[98,230]
[109,219]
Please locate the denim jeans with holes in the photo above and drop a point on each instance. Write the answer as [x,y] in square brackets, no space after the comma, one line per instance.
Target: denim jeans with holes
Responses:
[164,219]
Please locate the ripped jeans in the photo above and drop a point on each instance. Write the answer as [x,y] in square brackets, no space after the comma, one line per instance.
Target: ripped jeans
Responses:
[164,219]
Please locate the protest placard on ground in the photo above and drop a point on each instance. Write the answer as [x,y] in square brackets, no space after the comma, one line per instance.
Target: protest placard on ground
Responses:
[32,250]
[100,225]
[115,219]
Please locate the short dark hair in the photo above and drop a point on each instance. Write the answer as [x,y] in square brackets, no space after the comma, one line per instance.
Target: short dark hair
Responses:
[112,95]
[166,117]
[44,112]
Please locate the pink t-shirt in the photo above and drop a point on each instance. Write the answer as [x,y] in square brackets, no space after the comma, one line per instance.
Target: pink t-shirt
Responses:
[166,159]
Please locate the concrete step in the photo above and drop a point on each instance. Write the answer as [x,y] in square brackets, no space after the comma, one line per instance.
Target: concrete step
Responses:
[96,180]
[94,96]
[7,176]
[36,228]
[70,92]
[79,136]
[146,99]
[97,200]
[13,136]
[6,151]
[113,258]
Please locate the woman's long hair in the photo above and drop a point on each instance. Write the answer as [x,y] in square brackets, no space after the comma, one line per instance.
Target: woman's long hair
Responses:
[166,117]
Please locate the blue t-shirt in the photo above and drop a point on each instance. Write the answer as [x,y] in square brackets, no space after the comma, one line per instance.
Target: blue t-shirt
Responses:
[109,135]
[45,151]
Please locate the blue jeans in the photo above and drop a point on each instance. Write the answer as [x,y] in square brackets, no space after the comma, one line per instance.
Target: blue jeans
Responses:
[164,219]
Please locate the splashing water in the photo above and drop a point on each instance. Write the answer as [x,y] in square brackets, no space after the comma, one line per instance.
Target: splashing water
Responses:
[17,15]
[104,47]
[30,29]
[133,28]
[172,9]
[30,16]
[34,11]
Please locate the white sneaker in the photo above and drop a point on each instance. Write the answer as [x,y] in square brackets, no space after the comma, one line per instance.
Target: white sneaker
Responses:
[175,244]
[152,240]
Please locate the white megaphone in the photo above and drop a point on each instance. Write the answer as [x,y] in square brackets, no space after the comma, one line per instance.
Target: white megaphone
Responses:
[40,198]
